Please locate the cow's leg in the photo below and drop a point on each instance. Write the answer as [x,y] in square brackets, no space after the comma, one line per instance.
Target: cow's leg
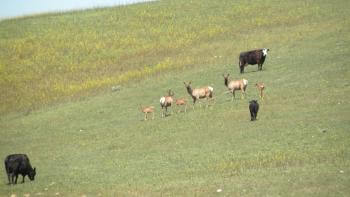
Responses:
[13,178]
[255,113]
[241,67]
[8,177]
[16,178]
[251,115]
[8,173]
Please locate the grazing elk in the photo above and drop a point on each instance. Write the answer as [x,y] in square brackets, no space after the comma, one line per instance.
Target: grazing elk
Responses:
[235,85]
[199,93]
[148,110]
[261,88]
[180,102]
[166,102]
[252,57]
[18,164]
[253,108]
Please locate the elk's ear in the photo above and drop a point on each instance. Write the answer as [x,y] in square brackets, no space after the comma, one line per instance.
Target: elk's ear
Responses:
[189,82]
[185,83]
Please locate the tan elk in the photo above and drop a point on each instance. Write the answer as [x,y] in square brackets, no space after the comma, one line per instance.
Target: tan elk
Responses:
[235,85]
[166,101]
[148,110]
[261,88]
[199,93]
[181,102]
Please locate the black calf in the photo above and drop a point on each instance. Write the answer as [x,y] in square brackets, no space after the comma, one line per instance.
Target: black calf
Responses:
[253,108]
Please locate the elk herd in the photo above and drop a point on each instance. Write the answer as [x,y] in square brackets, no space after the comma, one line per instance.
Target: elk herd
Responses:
[197,94]
[16,164]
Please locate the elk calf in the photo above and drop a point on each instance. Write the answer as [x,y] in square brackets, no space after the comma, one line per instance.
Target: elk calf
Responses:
[235,85]
[199,93]
[180,102]
[166,102]
[261,88]
[148,110]
[253,108]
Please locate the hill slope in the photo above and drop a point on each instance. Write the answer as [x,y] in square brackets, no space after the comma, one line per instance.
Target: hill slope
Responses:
[298,147]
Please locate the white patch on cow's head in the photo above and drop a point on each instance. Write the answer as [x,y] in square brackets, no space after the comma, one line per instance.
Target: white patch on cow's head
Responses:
[264,51]
[162,100]
[245,82]
[211,88]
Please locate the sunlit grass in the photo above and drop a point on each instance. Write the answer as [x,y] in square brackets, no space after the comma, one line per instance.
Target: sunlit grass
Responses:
[95,142]
[55,56]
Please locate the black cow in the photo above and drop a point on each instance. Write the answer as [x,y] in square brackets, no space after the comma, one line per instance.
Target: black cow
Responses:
[18,164]
[252,57]
[253,108]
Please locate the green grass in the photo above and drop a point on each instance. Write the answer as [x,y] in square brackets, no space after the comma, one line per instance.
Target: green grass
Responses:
[85,139]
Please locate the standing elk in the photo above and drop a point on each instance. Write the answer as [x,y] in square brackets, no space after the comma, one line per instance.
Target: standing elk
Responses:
[199,93]
[261,88]
[252,57]
[148,110]
[166,102]
[235,85]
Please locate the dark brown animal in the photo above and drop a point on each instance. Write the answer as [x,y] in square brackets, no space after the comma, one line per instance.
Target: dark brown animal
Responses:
[253,108]
[252,57]
[18,164]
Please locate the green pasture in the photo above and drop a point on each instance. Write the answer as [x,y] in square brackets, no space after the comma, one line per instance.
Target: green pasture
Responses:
[57,105]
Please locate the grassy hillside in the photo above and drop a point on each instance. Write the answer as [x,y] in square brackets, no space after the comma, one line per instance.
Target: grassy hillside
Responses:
[57,57]
[99,145]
